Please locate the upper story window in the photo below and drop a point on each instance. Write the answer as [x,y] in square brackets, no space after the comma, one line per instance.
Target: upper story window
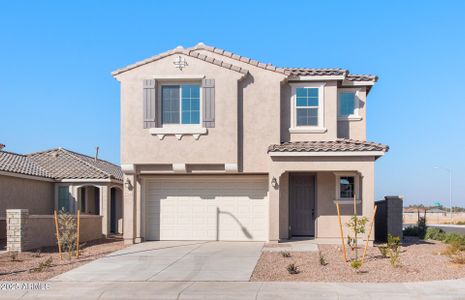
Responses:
[348,104]
[180,104]
[307,108]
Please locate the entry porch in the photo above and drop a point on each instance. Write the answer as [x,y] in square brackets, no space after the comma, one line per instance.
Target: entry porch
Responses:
[303,193]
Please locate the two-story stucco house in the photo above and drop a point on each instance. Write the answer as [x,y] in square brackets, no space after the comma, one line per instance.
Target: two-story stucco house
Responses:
[216,146]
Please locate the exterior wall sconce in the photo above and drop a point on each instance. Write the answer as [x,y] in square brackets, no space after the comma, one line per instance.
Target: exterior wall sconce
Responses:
[274,182]
[128,184]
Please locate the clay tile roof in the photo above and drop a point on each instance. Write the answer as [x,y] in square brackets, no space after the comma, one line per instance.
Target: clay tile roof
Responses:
[290,72]
[316,72]
[21,164]
[65,164]
[179,50]
[361,77]
[339,145]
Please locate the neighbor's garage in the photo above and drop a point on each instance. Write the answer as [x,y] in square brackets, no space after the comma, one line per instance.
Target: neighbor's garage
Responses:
[226,208]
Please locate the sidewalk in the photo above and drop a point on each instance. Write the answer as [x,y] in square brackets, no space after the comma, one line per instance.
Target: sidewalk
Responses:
[449,289]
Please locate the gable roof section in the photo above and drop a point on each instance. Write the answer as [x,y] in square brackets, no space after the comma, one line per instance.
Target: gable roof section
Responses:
[64,164]
[289,72]
[21,164]
[339,145]
[188,52]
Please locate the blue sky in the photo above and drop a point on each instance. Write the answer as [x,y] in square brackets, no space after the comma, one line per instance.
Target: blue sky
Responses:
[56,88]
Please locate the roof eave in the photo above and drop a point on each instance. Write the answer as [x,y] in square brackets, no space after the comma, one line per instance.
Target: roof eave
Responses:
[325,153]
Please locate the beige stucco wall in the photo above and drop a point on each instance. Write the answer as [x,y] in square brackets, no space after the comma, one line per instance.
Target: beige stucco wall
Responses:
[40,230]
[252,112]
[218,146]
[19,193]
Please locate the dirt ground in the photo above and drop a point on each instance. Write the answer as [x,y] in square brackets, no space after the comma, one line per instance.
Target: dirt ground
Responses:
[22,268]
[419,261]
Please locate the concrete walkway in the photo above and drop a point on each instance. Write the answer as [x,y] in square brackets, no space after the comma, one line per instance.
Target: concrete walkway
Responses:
[450,289]
[172,261]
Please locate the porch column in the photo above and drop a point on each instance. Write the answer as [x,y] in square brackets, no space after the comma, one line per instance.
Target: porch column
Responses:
[273,198]
[368,192]
[139,212]
[105,211]
[129,201]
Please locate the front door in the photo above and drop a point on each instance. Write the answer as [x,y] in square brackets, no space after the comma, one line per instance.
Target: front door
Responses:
[302,204]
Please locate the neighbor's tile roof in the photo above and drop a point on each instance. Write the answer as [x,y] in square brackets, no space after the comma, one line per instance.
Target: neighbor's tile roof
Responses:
[339,145]
[290,72]
[21,164]
[64,164]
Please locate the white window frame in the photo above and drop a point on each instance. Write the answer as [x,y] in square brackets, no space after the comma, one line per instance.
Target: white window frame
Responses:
[180,83]
[321,108]
[357,189]
[356,115]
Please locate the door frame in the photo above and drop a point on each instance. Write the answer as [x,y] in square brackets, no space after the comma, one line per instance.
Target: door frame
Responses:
[315,178]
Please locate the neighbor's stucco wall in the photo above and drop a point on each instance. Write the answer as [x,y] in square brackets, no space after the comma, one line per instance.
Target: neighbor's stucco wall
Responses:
[20,193]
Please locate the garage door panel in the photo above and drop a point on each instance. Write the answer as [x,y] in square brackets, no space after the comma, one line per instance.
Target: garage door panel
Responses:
[206,208]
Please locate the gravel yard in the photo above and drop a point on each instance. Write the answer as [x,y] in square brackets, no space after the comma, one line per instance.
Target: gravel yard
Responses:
[419,261]
[20,270]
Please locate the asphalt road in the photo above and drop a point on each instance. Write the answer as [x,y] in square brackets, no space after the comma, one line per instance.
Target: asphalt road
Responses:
[450,228]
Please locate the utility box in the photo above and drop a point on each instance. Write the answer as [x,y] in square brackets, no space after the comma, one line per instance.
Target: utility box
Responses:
[388,218]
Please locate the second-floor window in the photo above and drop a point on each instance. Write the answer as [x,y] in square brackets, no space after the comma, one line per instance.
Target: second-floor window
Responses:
[348,104]
[307,103]
[180,104]
[307,107]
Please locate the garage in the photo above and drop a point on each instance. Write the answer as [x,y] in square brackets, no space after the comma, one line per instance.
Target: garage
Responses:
[224,208]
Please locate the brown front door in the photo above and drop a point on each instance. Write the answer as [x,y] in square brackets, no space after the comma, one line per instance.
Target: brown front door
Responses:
[302,204]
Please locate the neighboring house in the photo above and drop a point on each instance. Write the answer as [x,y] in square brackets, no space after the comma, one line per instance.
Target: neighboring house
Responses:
[216,146]
[61,179]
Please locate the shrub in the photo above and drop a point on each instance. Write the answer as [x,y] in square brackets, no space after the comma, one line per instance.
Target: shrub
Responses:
[356,264]
[323,261]
[13,255]
[460,223]
[454,237]
[293,269]
[458,258]
[434,233]
[391,250]
[285,254]
[456,252]
[411,231]
[37,253]
[43,266]
[421,226]
[383,250]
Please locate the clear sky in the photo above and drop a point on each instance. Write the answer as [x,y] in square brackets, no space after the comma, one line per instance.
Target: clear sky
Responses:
[56,58]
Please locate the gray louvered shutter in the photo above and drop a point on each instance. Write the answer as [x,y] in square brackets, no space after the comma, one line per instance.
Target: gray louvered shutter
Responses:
[208,86]
[149,104]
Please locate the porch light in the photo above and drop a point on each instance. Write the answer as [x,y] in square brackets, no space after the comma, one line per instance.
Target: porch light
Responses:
[274,182]
[128,183]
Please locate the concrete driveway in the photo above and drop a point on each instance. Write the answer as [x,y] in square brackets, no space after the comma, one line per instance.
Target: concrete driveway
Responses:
[172,261]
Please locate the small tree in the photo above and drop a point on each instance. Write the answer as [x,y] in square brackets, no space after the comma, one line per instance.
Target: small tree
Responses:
[68,234]
[357,226]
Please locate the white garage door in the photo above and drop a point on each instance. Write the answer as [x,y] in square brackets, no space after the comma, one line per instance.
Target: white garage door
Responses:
[227,208]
